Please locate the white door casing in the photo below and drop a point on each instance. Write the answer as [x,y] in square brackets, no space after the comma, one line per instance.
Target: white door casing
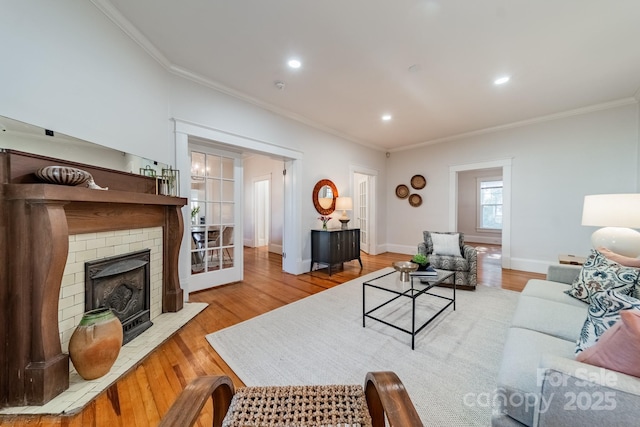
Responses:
[505,164]
[292,242]
[370,226]
[362,210]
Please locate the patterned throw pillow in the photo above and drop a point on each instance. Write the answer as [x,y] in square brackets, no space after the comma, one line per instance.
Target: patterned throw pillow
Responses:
[599,273]
[603,313]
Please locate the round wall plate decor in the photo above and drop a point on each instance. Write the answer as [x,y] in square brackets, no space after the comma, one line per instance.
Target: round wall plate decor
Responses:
[415,200]
[402,191]
[418,182]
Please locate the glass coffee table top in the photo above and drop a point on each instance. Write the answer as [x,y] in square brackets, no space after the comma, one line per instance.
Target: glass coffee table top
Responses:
[403,291]
[392,283]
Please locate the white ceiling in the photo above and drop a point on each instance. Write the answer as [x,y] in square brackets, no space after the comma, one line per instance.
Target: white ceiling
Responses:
[561,55]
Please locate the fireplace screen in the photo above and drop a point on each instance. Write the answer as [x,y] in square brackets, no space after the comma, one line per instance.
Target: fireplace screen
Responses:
[121,283]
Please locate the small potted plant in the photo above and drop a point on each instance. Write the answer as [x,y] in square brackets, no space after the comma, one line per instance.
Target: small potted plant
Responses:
[422,261]
[194,213]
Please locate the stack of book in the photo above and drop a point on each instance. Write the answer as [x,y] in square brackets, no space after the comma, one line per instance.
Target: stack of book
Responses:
[427,274]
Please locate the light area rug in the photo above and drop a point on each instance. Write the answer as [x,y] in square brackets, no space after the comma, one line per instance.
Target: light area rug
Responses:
[450,376]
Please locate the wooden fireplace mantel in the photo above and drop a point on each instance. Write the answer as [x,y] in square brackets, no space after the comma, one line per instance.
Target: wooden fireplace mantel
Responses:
[37,220]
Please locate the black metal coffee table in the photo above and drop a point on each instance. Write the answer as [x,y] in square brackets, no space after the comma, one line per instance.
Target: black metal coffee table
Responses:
[417,286]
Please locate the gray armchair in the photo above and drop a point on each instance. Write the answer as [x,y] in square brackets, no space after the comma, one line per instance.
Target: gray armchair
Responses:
[465,267]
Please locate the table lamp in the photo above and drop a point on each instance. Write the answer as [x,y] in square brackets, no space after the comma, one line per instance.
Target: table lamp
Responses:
[618,214]
[344,204]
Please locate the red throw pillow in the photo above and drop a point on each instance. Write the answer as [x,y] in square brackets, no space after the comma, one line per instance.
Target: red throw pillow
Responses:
[618,348]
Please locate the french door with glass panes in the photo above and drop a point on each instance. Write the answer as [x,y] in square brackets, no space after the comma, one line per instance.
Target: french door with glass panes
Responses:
[216,239]
[363,211]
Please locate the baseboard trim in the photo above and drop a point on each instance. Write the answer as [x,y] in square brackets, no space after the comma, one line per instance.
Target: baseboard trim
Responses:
[530,265]
[275,248]
[401,249]
[487,240]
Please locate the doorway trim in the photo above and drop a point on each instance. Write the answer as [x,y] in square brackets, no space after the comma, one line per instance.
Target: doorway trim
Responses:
[505,164]
[292,192]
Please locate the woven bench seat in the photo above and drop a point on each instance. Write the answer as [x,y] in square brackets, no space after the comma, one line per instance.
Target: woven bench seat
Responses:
[312,406]
[382,401]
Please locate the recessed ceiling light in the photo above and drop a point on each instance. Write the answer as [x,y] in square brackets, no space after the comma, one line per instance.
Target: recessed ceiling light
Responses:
[386,117]
[294,63]
[501,80]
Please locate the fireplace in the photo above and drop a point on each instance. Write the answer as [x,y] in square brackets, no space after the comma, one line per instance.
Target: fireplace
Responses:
[121,283]
[36,369]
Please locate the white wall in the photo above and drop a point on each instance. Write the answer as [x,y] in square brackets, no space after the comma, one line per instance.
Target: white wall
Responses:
[64,148]
[324,155]
[554,165]
[638,160]
[68,68]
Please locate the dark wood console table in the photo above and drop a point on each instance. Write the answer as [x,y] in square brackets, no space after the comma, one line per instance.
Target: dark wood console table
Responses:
[36,221]
[335,246]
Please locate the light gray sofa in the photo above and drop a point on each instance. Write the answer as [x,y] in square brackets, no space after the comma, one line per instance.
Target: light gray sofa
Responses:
[540,383]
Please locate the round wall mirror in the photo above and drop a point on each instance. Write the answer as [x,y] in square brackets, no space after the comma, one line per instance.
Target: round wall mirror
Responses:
[325,194]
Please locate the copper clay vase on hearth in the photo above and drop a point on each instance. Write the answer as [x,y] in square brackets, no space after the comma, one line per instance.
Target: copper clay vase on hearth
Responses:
[96,343]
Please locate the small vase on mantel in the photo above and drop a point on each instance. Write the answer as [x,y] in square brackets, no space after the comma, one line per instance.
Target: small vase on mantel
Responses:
[95,344]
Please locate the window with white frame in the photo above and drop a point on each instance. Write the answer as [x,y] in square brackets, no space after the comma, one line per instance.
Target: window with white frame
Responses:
[490,203]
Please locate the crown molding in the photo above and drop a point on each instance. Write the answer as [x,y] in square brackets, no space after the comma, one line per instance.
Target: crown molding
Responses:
[576,112]
[110,11]
[132,32]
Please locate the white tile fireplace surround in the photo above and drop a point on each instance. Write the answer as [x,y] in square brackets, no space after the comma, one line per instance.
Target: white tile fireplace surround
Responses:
[94,246]
[71,306]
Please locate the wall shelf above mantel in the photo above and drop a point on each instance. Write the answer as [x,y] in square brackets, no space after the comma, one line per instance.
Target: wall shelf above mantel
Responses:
[52,192]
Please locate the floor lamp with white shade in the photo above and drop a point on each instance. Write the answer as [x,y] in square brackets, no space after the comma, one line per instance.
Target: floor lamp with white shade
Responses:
[618,214]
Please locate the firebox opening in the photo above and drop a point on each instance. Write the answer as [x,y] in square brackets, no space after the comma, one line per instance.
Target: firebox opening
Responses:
[123,284]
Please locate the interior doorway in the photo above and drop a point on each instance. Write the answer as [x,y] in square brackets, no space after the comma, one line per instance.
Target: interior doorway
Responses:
[264,202]
[288,159]
[505,167]
[480,221]
[363,183]
[261,211]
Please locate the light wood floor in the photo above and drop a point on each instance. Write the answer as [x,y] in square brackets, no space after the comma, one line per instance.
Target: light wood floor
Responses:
[142,396]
